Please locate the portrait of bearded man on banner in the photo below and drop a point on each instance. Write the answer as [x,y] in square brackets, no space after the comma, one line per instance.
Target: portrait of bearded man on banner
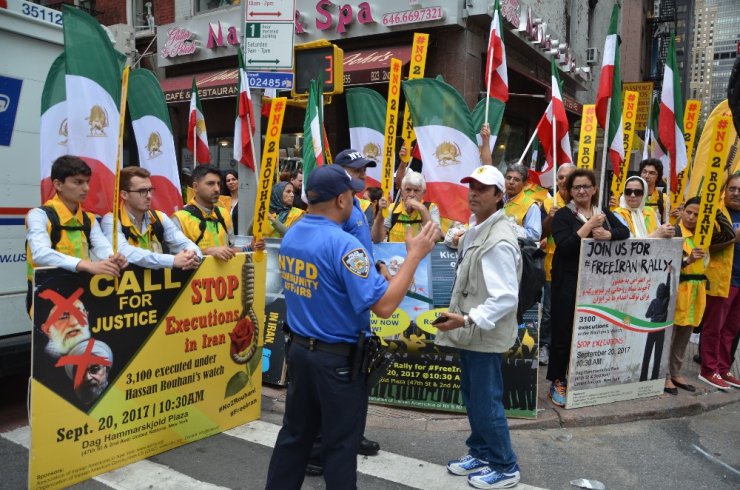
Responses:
[66,324]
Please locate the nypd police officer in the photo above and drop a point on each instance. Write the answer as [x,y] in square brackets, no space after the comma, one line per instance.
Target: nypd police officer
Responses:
[330,287]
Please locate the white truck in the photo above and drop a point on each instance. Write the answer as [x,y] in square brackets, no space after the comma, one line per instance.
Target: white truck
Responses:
[31,38]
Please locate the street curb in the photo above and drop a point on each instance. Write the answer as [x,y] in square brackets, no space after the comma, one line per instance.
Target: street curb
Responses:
[548,417]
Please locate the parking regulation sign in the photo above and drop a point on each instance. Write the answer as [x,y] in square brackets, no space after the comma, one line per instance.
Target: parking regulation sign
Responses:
[268,25]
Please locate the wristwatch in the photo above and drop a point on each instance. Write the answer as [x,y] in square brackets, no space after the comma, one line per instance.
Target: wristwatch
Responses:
[467,322]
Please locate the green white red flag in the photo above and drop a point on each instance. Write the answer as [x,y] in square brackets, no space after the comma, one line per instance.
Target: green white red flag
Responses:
[554,114]
[244,124]
[497,77]
[93,93]
[495,116]
[446,140]
[197,135]
[313,148]
[366,112]
[670,120]
[53,128]
[150,119]
[610,93]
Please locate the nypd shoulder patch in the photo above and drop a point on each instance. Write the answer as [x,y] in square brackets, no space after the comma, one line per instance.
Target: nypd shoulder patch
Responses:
[357,262]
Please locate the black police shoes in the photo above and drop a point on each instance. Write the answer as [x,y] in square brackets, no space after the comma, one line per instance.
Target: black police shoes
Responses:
[368,447]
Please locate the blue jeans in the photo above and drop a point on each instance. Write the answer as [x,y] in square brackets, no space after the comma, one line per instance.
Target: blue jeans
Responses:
[481,385]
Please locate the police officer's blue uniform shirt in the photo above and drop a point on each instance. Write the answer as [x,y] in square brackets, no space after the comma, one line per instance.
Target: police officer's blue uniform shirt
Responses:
[329,281]
[358,227]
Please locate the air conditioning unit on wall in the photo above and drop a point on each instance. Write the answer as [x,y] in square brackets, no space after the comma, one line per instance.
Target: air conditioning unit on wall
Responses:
[592,56]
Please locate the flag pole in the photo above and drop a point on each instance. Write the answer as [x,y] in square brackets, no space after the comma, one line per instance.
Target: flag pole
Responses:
[119,156]
[602,177]
[529,144]
[554,152]
[648,130]
[489,69]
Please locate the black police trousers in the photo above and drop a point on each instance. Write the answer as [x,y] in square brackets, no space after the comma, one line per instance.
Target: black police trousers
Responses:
[321,397]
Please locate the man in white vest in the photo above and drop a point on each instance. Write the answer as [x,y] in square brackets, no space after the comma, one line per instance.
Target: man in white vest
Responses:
[481,323]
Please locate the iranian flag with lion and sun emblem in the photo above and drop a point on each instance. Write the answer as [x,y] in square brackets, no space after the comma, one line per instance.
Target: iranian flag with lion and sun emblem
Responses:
[93,93]
[53,129]
[447,141]
[366,113]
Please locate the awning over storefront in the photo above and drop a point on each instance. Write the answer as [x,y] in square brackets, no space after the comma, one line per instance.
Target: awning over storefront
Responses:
[360,68]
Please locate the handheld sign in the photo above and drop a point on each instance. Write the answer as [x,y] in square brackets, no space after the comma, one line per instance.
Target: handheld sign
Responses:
[629,115]
[416,70]
[391,128]
[267,169]
[690,123]
[587,142]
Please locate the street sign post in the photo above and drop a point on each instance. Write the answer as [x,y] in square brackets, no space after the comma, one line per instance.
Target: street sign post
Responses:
[268,25]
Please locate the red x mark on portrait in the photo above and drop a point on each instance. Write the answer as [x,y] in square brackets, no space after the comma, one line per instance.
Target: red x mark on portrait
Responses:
[62,305]
[82,361]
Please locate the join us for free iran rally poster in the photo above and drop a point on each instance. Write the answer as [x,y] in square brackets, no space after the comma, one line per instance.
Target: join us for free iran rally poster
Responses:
[625,304]
[126,368]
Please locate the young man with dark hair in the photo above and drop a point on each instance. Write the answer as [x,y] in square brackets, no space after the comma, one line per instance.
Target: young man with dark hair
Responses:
[651,170]
[147,237]
[61,234]
[206,223]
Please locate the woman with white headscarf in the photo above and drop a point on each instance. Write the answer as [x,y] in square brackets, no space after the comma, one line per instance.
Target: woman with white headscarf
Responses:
[642,221]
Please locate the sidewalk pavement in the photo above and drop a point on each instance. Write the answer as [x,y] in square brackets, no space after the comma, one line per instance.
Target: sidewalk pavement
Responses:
[550,416]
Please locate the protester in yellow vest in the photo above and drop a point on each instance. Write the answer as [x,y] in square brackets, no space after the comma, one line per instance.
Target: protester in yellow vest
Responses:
[722,319]
[61,234]
[206,223]
[518,205]
[410,210]
[147,237]
[282,213]
[690,298]
[642,221]
[651,170]
[548,243]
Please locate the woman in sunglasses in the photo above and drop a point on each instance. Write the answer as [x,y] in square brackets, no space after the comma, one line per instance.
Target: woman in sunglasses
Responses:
[642,221]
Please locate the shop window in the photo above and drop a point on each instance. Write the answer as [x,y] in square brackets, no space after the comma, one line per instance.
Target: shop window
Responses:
[206,5]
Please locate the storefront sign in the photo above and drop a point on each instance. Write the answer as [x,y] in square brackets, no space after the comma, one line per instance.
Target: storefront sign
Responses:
[426,14]
[587,142]
[626,299]
[179,42]
[216,35]
[345,16]
[126,369]
[511,11]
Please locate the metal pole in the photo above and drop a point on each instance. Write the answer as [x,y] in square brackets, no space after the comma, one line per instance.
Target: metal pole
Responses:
[602,177]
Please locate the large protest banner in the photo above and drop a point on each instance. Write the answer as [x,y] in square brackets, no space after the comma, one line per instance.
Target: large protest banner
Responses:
[123,369]
[428,376]
[625,303]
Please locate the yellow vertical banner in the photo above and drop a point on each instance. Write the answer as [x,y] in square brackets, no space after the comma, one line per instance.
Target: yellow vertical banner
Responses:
[714,177]
[416,70]
[645,89]
[119,155]
[629,114]
[269,165]
[391,129]
[587,141]
[690,123]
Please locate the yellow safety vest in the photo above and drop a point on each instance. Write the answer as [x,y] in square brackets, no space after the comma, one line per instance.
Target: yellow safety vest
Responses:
[691,298]
[293,215]
[364,204]
[719,271]
[550,247]
[397,233]
[517,208]
[536,192]
[215,234]
[71,242]
[653,200]
[153,237]
[648,214]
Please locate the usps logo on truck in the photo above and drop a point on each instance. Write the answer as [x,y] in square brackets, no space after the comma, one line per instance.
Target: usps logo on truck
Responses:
[10,92]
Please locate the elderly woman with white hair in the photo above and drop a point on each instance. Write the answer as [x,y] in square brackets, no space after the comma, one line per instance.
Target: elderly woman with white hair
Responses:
[410,210]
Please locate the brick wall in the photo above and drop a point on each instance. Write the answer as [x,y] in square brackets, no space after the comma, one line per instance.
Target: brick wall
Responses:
[114,11]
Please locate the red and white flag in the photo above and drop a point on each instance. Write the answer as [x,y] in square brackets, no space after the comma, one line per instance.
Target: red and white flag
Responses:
[197,136]
[497,78]
[554,112]
[670,120]
[610,93]
[244,124]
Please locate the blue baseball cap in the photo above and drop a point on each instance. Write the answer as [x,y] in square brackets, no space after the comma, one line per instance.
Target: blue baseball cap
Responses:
[328,181]
[353,159]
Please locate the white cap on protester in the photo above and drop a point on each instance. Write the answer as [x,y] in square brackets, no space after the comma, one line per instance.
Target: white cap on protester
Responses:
[486,175]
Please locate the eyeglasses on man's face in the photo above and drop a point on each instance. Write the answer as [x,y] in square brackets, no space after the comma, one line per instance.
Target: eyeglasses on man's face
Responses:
[143,192]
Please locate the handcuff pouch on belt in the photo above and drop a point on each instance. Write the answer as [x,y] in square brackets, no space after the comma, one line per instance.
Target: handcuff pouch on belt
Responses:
[372,359]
